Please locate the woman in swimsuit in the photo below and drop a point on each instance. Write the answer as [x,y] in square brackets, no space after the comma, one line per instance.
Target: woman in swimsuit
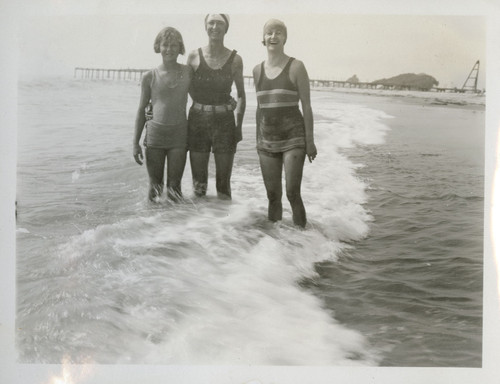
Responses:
[284,135]
[212,125]
[166,133]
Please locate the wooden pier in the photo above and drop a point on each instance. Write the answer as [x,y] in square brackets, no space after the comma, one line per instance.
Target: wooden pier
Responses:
[111,74]
[136,75]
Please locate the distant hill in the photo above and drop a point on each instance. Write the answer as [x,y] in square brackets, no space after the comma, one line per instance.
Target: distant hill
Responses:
[353,79]
[409,81]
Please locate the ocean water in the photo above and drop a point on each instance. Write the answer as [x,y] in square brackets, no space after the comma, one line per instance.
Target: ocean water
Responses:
[388,271]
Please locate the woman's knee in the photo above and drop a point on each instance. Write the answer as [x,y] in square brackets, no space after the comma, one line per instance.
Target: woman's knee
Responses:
[293,195]
[274,195]
[199,164]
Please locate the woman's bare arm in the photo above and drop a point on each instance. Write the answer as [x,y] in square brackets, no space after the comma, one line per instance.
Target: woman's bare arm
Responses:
[300,77]
[140,118]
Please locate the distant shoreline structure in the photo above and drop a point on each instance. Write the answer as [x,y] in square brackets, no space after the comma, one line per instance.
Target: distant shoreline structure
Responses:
[136,74]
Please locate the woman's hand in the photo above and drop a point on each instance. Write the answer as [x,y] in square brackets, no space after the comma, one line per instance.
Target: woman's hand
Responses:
[238,136]
[138,157]
[311,151]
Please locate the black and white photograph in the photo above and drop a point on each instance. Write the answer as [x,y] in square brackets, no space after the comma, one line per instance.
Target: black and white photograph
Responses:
[268,195]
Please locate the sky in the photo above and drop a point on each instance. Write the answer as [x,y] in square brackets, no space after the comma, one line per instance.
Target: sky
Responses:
[332,46]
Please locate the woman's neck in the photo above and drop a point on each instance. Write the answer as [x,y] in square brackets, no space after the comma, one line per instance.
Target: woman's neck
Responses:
[215,47]
[170,65]
[276,59]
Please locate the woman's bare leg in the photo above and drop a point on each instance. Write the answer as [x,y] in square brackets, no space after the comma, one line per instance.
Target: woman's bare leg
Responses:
[155,164]
[271,168]
[199,171]
[176,161]
[223,170]
[294,165]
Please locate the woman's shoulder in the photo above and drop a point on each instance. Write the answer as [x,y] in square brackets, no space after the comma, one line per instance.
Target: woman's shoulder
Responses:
[296,63]
[237,58]
[194,52]
[147,77]
[193,57]
[257,68]
[185,68]
[226,54]
[297,68]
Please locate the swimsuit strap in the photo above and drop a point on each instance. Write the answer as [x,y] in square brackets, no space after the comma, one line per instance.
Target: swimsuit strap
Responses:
[229,61]
[154,74]
[262,72]
[288,64]
[286,70]
[202,58]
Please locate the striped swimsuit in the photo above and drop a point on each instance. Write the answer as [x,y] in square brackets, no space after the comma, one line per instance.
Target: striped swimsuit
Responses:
[280,124]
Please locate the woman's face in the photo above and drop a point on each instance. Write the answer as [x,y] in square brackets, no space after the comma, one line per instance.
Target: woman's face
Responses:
[216,28]
[274,37]
[170,49]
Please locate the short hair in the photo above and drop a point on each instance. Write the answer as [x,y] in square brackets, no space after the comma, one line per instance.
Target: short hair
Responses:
[169,34]
[274,23]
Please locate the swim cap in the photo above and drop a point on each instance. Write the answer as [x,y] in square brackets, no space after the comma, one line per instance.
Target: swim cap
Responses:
[219,16]
[276,24]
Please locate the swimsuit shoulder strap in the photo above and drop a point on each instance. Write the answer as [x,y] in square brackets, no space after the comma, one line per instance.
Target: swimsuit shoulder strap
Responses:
[288,64]
[202,58]
[154,75]
[230,59]
[260,74]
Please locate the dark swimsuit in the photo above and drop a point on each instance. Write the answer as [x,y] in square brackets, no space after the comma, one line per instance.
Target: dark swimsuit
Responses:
[280,124]
[212,86]
[209,129]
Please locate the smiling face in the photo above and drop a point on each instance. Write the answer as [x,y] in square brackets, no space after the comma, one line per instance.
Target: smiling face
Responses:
[274,37]
[275,34]
[169,36]
[170,49]
[215,26]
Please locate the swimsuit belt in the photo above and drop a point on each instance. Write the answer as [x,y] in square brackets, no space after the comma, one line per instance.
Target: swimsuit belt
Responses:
[213,108]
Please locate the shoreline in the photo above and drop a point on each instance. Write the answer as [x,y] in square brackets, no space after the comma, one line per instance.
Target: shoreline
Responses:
[448,100]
